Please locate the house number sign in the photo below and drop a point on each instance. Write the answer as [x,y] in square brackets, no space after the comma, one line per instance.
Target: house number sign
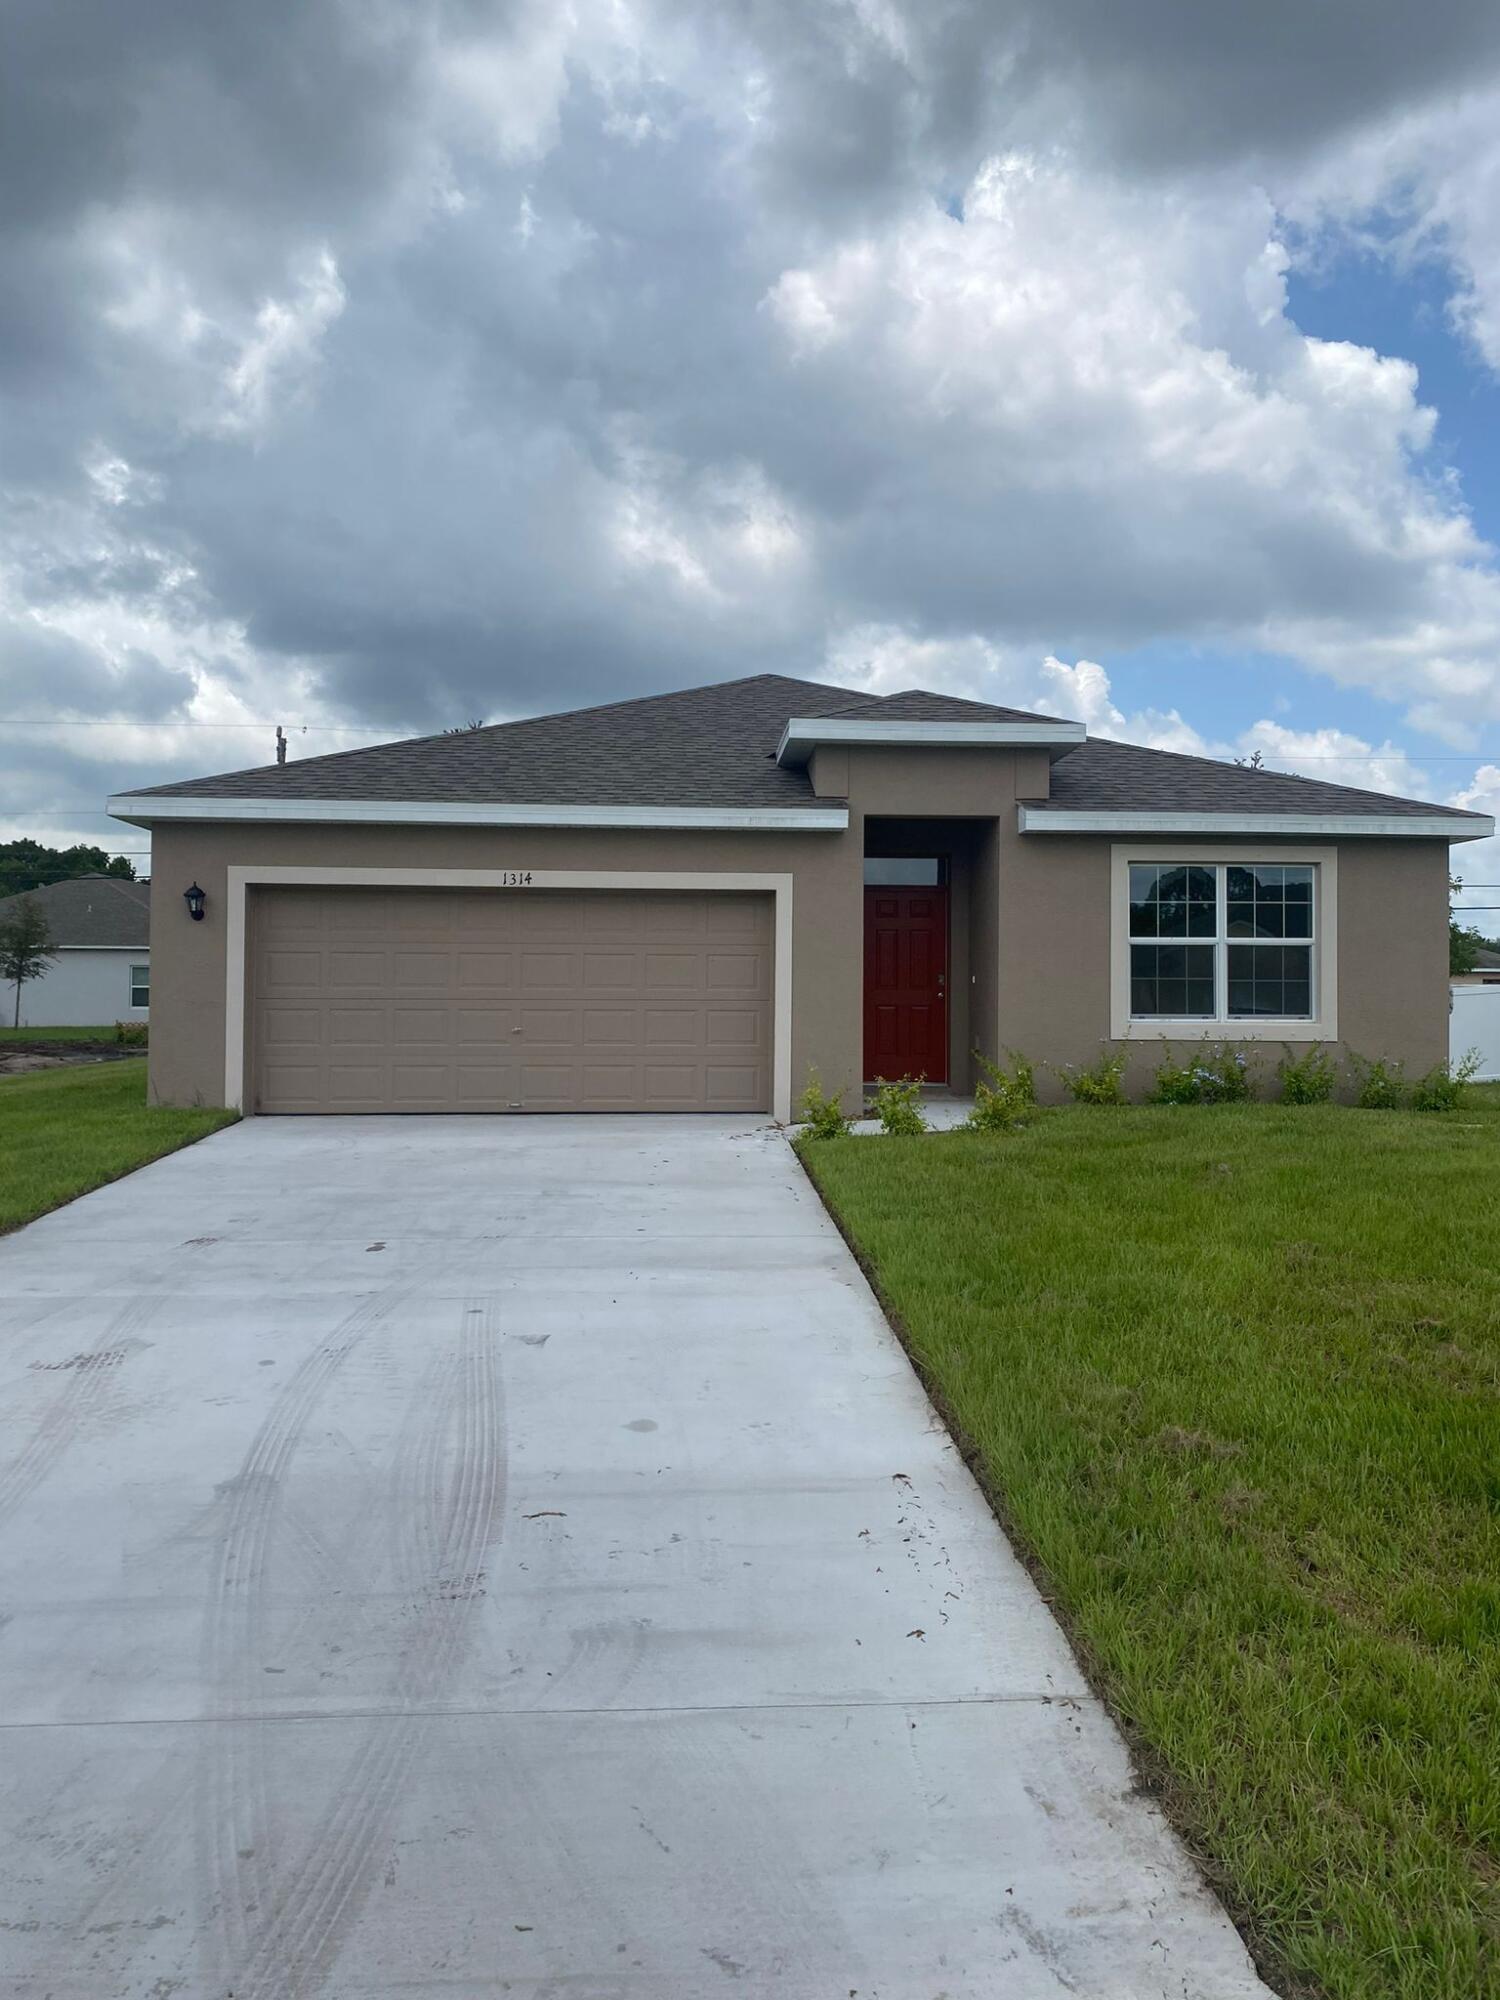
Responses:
[515,878]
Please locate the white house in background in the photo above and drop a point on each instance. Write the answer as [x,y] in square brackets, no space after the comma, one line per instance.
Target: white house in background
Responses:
[101,928]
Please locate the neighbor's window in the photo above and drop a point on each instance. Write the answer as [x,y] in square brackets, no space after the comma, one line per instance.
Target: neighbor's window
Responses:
[1232,942]
[140,986]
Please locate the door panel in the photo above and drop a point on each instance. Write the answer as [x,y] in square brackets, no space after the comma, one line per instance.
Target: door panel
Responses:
[906,968]
[490,1000]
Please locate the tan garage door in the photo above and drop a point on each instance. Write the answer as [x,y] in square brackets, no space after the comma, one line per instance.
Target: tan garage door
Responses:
[510,1000]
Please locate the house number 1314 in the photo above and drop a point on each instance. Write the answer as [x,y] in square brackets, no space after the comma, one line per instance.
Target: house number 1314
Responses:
[515,878]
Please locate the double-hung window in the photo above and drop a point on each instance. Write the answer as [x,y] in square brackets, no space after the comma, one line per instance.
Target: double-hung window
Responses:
[140,986]
[1223,941]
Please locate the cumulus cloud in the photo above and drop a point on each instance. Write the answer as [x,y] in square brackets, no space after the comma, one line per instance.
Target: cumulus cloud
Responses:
[382,366]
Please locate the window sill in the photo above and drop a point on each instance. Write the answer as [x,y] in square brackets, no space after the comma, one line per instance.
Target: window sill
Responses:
[1199,1030]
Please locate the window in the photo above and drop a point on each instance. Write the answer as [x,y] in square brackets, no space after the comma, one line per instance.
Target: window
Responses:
[1223,941]
[905,871]
[140,985]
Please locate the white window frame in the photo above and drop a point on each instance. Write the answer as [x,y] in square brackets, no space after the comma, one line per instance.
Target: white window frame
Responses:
[143,965]
[1324,1025]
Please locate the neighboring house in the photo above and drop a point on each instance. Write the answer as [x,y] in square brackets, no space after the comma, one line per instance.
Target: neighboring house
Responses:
[100,926]
[1486,970]
[690,902]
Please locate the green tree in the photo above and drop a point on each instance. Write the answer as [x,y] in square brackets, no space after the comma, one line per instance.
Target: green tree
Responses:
[26,947]
[1464,942]
[27,864]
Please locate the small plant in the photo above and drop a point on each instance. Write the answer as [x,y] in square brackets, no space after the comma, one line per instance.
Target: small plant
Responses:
[1380,1082]
[822,1114]
[1102,1082]
[1002,1098]
[898,1106]
[131,1034]
[1442,1089]
[1307,1079]
[1221,1075]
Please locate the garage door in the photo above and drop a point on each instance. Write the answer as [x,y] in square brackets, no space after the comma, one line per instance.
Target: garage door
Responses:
[501,1000]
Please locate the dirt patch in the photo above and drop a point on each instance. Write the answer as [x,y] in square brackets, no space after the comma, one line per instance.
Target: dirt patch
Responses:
[25,1058]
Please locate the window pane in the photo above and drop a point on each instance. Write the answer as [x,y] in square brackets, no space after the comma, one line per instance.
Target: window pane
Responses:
[1271,981]
[1142,882]
[1172,981]
[899,871]
[1298,884]
[1270,900]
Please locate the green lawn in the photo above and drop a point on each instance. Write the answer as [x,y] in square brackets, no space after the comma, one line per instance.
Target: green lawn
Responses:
[106,1033]
[64,1131]
[1232,1378]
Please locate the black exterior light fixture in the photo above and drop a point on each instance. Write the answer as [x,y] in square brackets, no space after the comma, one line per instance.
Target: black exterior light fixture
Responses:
[195,899]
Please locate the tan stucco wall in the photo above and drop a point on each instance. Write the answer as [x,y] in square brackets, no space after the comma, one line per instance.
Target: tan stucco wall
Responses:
[1031,919]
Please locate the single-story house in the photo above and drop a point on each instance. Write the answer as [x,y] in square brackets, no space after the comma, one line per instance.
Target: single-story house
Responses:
[100,926]
[1486,970]
[691,902]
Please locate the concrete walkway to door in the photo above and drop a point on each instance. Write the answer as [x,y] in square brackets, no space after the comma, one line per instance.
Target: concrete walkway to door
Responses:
[489,1556]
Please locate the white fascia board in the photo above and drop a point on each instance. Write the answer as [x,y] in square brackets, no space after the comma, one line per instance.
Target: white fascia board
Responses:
[1234,826]
[449,812]
[806,733]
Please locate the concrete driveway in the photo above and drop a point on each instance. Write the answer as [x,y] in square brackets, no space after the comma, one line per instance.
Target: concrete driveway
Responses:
[483,1556]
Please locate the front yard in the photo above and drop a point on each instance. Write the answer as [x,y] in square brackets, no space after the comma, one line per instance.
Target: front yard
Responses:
[65,1131]
[1232,1378]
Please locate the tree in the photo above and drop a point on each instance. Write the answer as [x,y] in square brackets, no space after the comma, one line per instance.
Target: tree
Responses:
[26,947]
[26,864]
[1464,942]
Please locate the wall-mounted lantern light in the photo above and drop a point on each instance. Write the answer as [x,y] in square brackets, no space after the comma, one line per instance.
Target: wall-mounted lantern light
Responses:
[195,899]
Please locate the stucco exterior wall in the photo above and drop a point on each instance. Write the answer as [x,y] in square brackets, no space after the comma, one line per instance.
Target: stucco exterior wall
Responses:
[84,987]
[1031,919]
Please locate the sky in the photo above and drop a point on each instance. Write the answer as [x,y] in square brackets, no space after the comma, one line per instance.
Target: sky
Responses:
[369,366]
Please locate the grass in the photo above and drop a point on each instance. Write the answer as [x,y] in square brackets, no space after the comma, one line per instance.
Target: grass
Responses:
[64,1131]
[106,1033]
[1232,1378]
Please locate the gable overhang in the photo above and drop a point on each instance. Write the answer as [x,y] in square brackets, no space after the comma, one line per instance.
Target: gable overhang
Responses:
[1251,826]
[805,733]
[139,811]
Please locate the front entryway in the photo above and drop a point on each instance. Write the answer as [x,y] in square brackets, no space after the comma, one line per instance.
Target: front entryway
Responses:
[533,1000]
[906,979]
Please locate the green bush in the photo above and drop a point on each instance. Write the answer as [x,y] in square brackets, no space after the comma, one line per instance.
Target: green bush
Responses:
[821,1114]
[1307,1079]
[1003,1097]
[1102,1082]
[131,1034]
[898,1106]
[1221,1075]
[1442,1089]
[1379,1082]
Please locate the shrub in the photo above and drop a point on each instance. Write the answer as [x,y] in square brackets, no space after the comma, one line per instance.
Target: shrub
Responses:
[1442,1089]
[1221,1075]
[821,1114]
[1307,1079]
[131,1034]
[898,1106]
[1379,1083]
[1095,1083]
[1001,1102]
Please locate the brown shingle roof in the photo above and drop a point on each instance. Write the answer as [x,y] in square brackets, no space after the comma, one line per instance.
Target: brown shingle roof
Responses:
[93,910]
[708,746]
[715,747]
[1104,776]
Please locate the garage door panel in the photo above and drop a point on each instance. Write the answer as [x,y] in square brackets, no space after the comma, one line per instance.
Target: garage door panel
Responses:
[495,1001]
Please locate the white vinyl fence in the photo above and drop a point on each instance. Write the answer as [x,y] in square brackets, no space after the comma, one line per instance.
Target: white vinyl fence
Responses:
[1474,1023]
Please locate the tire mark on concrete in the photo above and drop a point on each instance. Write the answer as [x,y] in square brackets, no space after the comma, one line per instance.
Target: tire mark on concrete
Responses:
[89,1388]
[449,1492]
[236,1846]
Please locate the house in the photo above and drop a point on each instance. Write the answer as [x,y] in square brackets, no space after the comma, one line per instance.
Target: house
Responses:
[100,926]
[690,902]
[1486,970]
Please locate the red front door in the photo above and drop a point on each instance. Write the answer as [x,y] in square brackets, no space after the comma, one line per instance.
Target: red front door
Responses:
[906,980]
